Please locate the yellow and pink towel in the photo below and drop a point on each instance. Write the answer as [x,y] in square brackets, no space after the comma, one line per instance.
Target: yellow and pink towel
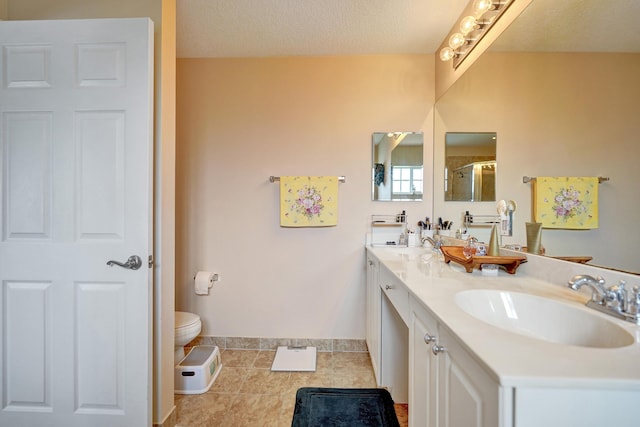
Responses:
[566,202]
[308,201]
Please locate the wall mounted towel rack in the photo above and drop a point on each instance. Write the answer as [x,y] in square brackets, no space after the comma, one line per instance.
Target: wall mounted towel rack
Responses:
[277,178]
[526,179]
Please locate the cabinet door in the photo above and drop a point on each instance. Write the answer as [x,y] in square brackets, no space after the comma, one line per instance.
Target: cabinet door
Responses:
[423,374]
[397,293]
[468,396]
[394,341]
[372,323]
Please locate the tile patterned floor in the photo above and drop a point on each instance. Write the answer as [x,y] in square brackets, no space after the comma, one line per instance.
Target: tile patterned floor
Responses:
[247,393]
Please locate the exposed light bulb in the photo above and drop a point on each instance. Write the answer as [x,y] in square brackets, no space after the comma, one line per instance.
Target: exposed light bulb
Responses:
[468,24]
[480,7]
[447,53]
[456,40]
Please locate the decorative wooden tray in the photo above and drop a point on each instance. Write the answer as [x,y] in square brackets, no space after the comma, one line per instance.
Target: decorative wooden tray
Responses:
[454,253]
[578,259]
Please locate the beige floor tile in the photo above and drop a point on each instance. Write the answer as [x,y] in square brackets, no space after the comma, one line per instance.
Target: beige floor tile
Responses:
[239,358]
[351,360]
[299,379]
[203,410]
[229,380]
[264,359]
[252,410]
[354,378]
[247,393]
[264,381]
[324,361]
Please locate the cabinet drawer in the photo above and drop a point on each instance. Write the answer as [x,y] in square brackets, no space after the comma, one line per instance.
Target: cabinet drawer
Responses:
[396,292]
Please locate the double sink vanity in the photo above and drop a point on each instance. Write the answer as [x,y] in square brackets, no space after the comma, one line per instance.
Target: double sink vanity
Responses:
[516,350]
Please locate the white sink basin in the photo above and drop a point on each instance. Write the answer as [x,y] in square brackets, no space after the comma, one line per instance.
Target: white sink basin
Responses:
[543,318]
[405,250]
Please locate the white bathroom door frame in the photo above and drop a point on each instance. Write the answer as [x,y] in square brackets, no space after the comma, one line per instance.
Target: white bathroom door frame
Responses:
[76,120]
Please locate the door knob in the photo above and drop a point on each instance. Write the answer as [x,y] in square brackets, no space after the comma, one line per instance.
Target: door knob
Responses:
[132,263]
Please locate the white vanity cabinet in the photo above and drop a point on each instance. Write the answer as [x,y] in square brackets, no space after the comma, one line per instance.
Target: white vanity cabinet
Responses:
[396,292]
[423,371]
[373,312]
[454,371]
[447,387]
[394,339]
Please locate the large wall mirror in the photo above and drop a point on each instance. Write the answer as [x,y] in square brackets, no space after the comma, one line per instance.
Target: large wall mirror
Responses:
[470,166]
[560,87]
[397,166]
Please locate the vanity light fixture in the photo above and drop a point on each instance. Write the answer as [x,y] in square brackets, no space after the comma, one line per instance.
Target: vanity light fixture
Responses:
[468,24]
[482,6]
[485,13]
[395,135]
[456,40]
[447,53]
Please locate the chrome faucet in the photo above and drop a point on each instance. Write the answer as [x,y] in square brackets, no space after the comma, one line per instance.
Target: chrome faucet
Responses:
[596,284]
[435,243]
[612,300]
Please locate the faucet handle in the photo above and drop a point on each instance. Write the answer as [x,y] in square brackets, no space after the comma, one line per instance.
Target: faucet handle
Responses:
[633,304]
[616,296]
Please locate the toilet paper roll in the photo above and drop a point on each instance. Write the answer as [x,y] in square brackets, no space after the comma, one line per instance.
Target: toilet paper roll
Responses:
[203,281]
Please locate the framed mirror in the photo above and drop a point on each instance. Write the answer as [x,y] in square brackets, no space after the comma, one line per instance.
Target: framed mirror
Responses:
[470,166]
[397,166]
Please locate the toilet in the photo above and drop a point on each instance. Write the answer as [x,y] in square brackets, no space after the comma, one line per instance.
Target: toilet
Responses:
[188,326]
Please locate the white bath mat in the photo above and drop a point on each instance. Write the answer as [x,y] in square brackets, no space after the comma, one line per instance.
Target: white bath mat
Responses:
[290,358]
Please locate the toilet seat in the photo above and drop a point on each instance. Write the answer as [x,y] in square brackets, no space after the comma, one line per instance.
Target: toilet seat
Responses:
[187,327]
[185,319]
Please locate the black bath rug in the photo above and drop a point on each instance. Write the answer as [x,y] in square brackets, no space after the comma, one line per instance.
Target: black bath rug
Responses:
[344,407]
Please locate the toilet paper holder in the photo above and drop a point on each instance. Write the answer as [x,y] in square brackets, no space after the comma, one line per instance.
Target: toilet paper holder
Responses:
[204,280]
[216,277]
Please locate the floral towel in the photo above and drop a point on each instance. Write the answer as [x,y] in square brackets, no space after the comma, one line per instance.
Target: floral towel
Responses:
[566,202]
[308,201]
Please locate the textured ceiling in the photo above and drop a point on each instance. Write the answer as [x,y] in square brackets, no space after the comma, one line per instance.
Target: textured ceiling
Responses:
[574,26]
[260,28]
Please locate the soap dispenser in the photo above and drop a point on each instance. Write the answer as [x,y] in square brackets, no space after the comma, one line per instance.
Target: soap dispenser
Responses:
[402,241]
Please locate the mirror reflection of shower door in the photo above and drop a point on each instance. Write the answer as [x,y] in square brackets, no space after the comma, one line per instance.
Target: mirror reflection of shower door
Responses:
[470,164]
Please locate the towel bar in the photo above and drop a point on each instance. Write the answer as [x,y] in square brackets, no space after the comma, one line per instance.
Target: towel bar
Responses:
[277,178]
[526,179]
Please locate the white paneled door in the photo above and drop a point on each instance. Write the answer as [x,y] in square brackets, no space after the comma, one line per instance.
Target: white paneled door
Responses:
[75,192]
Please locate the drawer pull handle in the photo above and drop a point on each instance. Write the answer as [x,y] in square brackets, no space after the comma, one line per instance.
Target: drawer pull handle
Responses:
[437,349]
[388,287]
[429,338]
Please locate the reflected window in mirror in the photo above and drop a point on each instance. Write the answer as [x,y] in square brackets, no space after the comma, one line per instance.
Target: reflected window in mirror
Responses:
[397,166]
[470,166]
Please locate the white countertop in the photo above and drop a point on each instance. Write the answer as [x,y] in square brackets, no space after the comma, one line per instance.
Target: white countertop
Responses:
[513,359]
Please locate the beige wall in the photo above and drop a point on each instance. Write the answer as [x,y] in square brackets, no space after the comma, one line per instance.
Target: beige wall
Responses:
[242,120]
[555,115]
[162,12]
